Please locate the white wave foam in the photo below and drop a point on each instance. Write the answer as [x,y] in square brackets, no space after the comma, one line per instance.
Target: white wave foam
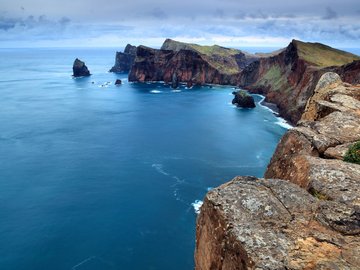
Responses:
[197,204]
[209,188]
[155,91]
[176,91]
[159,168]
[282,122]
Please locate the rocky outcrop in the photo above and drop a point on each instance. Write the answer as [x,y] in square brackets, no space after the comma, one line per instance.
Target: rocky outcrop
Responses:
[80,69]
[189,66]
[307,219]
[191,63]
[118,82]
[124,60]
[289,78]
[251,223]
[243,99]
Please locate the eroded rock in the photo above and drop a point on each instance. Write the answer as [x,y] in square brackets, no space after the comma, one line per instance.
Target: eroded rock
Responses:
[252,223]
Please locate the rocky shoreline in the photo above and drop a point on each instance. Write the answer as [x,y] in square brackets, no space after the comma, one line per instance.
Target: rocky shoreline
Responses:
[286,77]
[306,213]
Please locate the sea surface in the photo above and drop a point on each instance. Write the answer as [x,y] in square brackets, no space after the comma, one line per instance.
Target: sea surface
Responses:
[97,176]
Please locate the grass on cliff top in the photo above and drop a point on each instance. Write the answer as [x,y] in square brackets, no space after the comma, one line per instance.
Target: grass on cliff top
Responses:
[322,55]
[353,154]
[170,44]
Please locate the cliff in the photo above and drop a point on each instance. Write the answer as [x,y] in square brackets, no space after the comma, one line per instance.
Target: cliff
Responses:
[124,60]
[307,214]
[288,79]
[190,63]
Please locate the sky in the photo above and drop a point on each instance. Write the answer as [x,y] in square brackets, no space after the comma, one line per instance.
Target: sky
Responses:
[232,23]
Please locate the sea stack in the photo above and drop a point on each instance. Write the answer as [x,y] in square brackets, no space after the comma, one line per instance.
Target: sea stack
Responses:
[174,81]
[243,99]
[80,69]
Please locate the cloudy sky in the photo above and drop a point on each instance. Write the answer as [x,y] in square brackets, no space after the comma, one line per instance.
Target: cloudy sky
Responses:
[236,23]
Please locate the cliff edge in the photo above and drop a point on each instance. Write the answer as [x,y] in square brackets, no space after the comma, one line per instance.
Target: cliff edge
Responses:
[307,214]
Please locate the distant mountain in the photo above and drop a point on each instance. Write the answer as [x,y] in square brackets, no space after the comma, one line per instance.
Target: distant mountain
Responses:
[191,63]
[227,60]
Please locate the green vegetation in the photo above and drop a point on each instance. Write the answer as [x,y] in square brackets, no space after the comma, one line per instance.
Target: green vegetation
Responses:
[323,56]
[353,154]
[318,195]
[275,78]
[219,57]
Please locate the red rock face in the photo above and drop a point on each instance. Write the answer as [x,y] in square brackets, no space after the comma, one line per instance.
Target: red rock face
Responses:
[189,66]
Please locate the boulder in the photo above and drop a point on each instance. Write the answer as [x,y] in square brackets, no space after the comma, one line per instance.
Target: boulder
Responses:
[243,99]
[118,82]
[80,69]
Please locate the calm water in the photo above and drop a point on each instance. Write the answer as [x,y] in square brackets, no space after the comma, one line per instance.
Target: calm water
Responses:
[98,177]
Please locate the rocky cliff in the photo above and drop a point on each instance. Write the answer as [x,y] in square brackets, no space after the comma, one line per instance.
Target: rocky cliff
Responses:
[190,63]
[288,79]
[80,69]
[307,214]
[124,60]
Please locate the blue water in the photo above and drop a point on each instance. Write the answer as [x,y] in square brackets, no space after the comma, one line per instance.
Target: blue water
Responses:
[96,177]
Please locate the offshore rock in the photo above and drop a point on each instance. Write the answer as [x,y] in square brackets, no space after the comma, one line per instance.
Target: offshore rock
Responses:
[124,60]
[80,69]
[243,99]
[251,223]
[118,82]
[174,81]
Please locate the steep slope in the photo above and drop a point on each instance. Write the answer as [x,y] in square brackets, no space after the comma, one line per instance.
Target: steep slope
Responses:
[227,60]
[289,78]
[124,60]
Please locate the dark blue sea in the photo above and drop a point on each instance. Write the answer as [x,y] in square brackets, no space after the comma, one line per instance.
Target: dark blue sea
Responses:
[97,176]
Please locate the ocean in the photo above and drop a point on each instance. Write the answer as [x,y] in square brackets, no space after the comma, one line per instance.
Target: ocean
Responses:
[98,176]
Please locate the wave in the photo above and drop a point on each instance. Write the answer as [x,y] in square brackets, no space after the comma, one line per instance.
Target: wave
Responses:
[197,205]
[159,168]
[176,91]
[280,121]
[155,91]
[283,123]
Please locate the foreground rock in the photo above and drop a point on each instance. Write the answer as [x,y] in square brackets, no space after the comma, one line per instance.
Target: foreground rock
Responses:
[243,99]
[308,220]
[252,223]
[124,60]
[80,69]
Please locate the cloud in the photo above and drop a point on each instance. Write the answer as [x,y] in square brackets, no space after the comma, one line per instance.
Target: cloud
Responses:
[109,22]
[330,14]
[159,14]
